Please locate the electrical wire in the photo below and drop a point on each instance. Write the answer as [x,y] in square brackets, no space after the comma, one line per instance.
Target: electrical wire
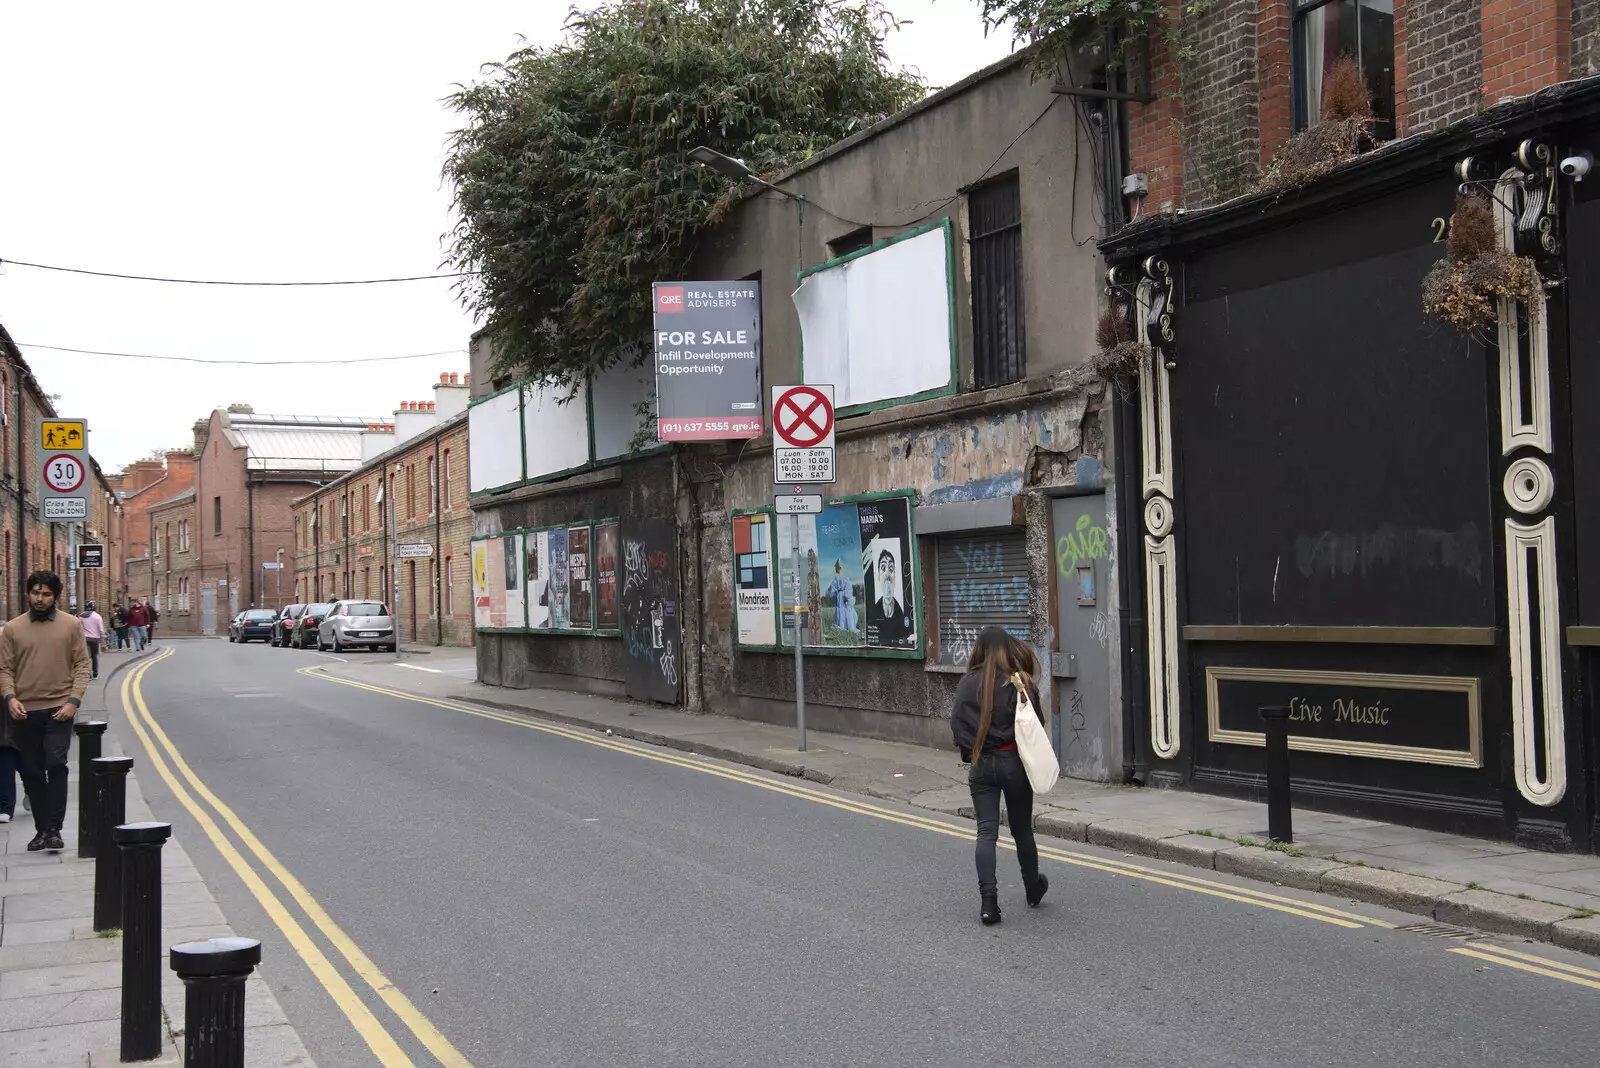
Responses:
[241,363]
[215,282]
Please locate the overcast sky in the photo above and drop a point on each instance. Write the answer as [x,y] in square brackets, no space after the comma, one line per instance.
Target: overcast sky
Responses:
[282,142]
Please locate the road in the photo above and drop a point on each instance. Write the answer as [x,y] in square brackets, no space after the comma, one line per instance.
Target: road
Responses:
[538,895]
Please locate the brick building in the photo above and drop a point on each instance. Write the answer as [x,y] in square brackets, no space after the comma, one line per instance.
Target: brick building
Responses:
[208,543]
[26,541]
[411,490]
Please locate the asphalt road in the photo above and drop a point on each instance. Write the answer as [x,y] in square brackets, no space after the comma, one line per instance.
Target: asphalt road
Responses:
[544,900]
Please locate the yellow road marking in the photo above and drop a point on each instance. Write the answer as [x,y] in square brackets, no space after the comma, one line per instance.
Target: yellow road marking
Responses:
[402,1006]
[367,1026]
[1494,958]
[1502,950]
[1178,880]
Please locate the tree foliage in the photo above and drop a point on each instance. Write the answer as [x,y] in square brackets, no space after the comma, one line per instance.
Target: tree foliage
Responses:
[1057,25]
[572,187]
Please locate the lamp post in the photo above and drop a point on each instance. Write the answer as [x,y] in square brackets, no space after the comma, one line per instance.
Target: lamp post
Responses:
[278,582]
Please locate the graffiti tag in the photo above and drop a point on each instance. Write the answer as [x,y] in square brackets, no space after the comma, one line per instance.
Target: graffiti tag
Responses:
[1087,542]
[634,563]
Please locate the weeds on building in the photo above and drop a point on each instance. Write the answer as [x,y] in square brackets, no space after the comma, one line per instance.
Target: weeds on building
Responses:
[1464,289]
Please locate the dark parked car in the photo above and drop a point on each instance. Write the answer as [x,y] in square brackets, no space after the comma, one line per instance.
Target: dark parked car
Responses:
[253,624]
[303,635]
[352,623]
[284,624]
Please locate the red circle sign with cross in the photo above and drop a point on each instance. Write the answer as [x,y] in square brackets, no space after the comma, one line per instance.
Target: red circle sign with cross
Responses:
[802,417]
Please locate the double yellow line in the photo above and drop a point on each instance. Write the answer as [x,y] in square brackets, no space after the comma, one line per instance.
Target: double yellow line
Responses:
[1178,880]
[160,749]
[1527,962]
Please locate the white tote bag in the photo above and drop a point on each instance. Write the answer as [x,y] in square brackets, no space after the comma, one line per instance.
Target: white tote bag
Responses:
[1033,745]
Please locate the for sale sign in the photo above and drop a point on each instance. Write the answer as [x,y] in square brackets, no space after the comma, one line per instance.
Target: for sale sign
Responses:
[708,360]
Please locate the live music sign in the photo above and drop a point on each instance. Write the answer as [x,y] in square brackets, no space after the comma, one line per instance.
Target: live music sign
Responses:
[707,345]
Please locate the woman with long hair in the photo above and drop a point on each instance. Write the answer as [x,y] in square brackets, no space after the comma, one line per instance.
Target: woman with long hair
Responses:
[983,724]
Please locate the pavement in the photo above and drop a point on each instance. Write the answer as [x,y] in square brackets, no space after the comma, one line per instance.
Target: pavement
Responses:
[1486,884]
[60,982]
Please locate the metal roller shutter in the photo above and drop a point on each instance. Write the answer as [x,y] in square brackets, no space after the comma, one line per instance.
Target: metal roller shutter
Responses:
[982,581]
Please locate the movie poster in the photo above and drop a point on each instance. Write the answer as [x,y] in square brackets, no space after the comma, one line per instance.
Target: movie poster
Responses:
[891,616]
[537,554]
[605,552]
[580,595]
[511,549]
[560,617]
[833,586]
[752,559]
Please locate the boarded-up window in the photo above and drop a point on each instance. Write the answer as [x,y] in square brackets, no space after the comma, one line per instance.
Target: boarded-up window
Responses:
[982,581]
[995,210]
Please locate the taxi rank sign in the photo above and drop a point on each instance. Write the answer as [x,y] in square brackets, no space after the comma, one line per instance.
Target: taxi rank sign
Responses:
[708,361]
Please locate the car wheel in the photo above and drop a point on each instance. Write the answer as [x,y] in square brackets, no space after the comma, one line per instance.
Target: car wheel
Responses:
[231,639]
[392,648]
[335,646]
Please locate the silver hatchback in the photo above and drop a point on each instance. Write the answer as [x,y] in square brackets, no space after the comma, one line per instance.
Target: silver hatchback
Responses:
[357,623]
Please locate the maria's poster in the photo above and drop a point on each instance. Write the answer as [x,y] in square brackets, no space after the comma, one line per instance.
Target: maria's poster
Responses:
[891,614]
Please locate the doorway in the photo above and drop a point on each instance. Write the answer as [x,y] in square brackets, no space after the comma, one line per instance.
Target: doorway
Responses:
[1087,740]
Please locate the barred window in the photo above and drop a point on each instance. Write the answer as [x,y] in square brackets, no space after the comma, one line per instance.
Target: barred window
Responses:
[995,244]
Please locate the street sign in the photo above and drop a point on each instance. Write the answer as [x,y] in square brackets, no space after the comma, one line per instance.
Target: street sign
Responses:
[798,504]
[65,509]
[91,556]
[64,474]
[271,567]
[802,434]
[707,347]
[406,552]
[63,434]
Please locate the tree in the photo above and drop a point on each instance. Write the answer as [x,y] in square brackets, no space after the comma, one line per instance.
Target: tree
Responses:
[1059,25]
[572,186]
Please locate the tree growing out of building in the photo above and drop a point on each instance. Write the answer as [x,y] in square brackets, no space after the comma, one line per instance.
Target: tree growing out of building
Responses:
[573,189]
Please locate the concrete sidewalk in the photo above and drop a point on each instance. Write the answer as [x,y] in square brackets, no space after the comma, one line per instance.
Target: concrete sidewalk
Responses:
[1491,885]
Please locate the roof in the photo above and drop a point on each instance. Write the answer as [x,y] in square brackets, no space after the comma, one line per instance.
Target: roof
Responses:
[378,461]
[297,442]
[186,495]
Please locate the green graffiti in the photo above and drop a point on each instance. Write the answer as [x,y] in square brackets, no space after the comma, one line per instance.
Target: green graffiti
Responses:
[1088,542]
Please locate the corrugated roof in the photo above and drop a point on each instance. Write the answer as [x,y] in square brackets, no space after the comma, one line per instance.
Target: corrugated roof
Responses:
[301,448]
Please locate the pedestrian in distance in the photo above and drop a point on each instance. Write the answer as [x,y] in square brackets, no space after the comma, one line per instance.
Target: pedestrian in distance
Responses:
[119,625]
[44,671]
[94,631]
[155,617]
[983,724]
[139,623]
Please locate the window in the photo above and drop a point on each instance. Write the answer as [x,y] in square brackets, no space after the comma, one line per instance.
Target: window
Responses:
[155,540]
[449,588]
[183,532]
[411,490]
[995,220]
[366,582]
[1326,30]
[447,501]
[854,241]
[216,517]
[433,484]
[981,580]
[344,517]
[366,506]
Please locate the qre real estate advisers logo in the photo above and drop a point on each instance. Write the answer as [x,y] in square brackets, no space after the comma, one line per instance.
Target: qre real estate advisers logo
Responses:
[669,300]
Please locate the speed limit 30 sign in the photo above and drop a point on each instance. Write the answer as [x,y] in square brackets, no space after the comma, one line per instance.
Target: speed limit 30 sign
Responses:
[65,473]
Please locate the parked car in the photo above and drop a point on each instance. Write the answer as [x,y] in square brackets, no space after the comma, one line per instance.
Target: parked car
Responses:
[303,634]
[353,623]
[284,624]
[253,624]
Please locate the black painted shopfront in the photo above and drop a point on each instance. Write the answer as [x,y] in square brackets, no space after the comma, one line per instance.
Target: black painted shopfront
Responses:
[1350,508]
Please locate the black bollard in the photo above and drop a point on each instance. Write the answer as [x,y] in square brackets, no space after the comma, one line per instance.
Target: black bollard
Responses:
[89,737]
[111,777]
[1280,823]
[140,845]
[213,973]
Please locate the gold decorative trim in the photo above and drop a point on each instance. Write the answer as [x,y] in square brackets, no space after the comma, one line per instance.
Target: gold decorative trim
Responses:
[1460,758]
[1341,635]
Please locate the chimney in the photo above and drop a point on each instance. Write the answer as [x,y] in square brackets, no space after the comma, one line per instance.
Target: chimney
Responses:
[376,440]
[450,396]
[411,419]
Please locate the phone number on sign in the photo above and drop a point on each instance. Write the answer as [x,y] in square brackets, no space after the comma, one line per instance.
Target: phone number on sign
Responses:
[708,426]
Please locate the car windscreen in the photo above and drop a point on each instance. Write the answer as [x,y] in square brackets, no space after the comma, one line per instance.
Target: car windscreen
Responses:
[367,608]
[260,615]
[318,609]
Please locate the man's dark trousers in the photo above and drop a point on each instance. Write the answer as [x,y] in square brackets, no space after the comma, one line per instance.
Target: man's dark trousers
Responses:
[42,747]
[94,655]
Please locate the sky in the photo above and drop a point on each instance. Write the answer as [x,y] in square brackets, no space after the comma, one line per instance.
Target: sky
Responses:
[293,141]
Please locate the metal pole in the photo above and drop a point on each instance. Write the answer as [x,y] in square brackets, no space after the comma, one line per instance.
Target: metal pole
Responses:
[1279,819]
[89,739]
[394,556]
[214,973]
[799,642]
[140,844]
[112,775]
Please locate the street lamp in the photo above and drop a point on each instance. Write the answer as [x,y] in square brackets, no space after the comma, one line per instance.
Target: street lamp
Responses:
[733,168]
[278,582]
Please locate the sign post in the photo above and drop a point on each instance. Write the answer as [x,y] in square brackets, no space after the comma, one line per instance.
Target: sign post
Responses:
[802,451]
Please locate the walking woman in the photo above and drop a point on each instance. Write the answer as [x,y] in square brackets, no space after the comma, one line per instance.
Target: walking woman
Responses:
[982,723]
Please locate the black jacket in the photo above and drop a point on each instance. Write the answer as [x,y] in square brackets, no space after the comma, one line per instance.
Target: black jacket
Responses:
[1002,724]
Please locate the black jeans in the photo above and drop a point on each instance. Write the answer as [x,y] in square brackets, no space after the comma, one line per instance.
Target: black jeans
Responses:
[992,776]
[42,747]
[94,655]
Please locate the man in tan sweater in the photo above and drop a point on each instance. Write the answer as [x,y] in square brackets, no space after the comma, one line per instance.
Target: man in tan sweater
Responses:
[44,671]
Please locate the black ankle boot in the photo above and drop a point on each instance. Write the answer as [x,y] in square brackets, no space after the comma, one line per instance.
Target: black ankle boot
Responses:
[1036,888]
[991,910]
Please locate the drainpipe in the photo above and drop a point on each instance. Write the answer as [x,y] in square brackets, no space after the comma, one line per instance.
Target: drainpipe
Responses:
[438,537]
[250,564]
[316,548]
[22,484]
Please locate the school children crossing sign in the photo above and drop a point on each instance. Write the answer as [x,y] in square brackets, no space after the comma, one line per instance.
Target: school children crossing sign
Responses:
[64,475]
[802,434]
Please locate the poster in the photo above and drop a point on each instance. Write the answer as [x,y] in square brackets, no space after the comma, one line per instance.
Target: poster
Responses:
[605,552]
[560,619]
[891,615]
[649,609]
[580,595]
[480,584]
[786,588]
[488,583]
[537,554]
[752,580]
[835,587]
[511,549]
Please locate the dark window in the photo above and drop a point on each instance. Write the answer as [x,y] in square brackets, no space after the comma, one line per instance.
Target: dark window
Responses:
[1324,31]
[216,516]
[854,241]
[995,216]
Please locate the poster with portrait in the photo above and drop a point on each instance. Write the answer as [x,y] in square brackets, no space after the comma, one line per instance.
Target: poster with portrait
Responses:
[890,619]
[580,591]
[605,552]
[536,552]
[511,550]
[752,580]
[560,617]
